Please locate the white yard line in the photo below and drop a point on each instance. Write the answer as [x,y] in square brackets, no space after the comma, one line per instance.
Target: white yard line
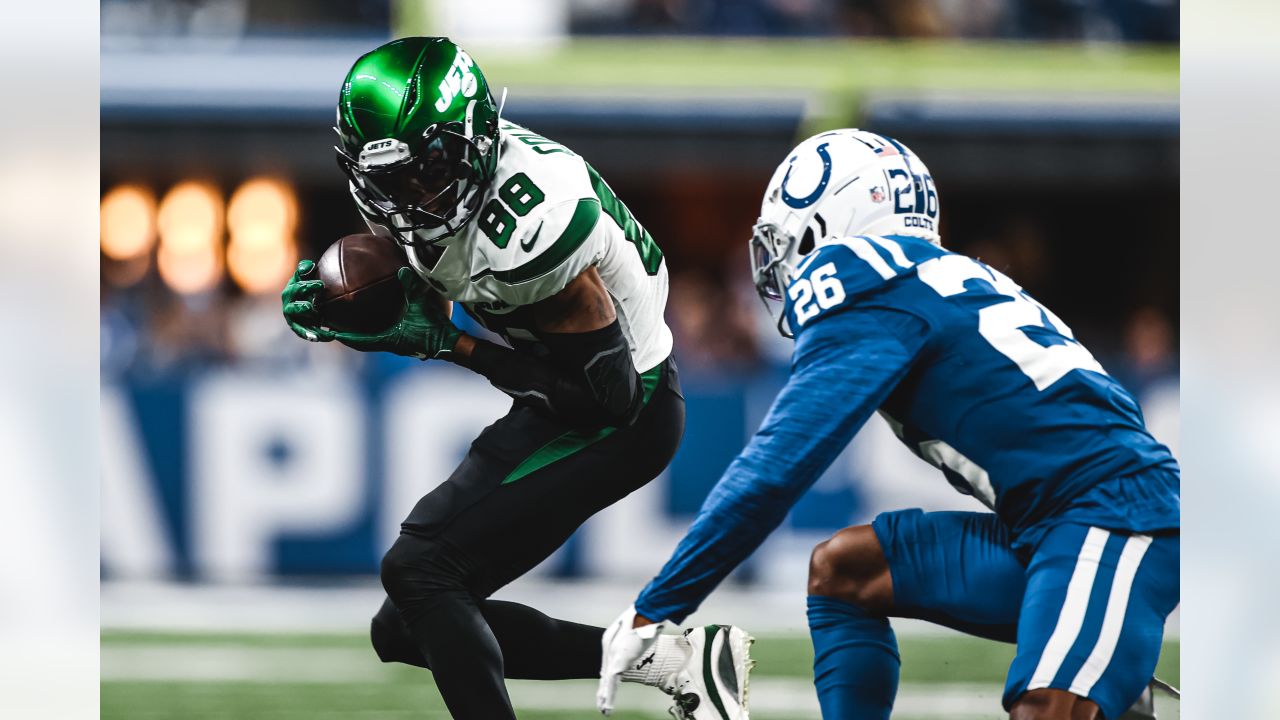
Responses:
[208,663]
[771,697]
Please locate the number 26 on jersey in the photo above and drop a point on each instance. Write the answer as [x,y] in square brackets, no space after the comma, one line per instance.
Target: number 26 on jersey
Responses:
[819,290]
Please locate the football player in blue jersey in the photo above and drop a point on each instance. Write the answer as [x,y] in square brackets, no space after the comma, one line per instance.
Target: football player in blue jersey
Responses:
[1077,562]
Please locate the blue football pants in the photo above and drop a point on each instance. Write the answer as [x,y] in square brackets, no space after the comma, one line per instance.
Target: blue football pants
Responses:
[1087,610]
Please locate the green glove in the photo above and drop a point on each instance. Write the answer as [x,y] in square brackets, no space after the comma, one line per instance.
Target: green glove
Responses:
[298,300]
[423,331]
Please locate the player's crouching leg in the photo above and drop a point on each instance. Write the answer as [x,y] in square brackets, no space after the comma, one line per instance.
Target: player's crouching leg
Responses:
[426,582]
[421,576]
[409,574]
[1092,618]
[855,663]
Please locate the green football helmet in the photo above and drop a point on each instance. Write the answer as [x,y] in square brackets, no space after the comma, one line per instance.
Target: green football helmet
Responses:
[419,137]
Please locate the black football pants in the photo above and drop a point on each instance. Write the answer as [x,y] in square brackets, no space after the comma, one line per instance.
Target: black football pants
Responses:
[475,533]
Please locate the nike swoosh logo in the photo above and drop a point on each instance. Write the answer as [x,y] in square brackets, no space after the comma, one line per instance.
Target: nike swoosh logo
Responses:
[527,246]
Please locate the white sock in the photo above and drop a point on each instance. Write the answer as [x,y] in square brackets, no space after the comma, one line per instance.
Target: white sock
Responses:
[663,659]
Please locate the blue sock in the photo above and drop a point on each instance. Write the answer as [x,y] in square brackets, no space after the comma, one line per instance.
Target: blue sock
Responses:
[855,660]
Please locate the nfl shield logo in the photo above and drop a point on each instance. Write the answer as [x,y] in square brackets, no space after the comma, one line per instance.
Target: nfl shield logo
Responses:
[877,194]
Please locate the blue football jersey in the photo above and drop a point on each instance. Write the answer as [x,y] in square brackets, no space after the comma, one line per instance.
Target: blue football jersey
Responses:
[999,396]
[972,374]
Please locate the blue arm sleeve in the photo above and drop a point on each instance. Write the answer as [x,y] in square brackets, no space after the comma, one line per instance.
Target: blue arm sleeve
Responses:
[844,366]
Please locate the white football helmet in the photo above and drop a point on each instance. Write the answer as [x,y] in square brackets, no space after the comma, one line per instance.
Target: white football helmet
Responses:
[837,184]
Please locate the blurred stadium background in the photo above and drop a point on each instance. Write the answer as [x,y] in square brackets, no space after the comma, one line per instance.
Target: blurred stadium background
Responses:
[240,536]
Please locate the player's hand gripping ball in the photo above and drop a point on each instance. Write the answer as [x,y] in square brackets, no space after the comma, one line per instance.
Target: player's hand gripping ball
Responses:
[298,300]
[361,295]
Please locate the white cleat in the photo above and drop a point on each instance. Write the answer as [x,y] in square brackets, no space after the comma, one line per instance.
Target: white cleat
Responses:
[713,683]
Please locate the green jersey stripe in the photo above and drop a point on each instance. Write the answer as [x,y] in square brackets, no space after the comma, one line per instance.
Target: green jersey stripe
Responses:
[635,234]
[579,229]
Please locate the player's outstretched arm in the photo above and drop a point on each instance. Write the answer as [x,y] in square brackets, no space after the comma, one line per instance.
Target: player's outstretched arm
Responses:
[588,379]
[844,367]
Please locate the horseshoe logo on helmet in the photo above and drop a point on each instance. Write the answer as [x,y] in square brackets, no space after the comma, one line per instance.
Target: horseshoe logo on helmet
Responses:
[812,197]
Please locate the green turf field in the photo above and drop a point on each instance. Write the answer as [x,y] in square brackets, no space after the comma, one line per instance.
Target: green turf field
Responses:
[149,676]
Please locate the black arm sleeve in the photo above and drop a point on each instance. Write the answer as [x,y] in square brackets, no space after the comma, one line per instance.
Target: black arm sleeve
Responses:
[587,380]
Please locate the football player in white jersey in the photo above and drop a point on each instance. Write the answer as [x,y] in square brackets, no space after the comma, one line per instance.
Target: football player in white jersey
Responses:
[531,242]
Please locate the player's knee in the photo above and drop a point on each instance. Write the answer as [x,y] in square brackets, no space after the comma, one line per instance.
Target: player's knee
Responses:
[412,568]
[384,640]
[822,569]
[392,642]
[397,566]
[850,566]
[1033,705]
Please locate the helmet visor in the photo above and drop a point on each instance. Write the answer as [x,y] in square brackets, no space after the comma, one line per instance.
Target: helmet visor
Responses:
[427,186]
[765,260]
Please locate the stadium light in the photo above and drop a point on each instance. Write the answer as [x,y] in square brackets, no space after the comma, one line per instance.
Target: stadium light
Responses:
[261,218]
[190,225]
[128,222]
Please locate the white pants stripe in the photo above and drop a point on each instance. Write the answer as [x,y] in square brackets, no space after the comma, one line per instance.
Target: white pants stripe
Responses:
[1113,621]
[1070,620]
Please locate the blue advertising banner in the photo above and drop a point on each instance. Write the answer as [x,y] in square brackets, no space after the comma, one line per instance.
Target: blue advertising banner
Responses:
[248,473]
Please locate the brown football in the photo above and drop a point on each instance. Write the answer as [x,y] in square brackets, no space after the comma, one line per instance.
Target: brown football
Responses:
[361,292]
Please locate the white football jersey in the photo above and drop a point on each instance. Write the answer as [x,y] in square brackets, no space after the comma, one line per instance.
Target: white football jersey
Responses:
[546,218]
